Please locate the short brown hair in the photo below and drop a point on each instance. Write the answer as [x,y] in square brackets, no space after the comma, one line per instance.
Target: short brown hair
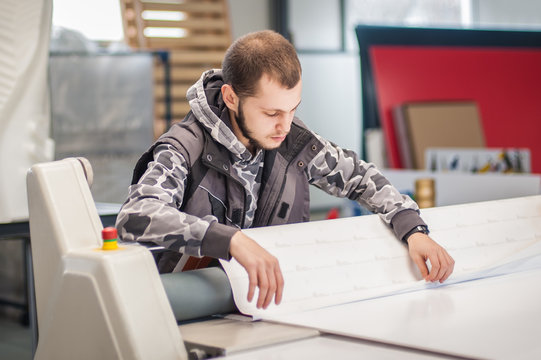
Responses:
[258,53]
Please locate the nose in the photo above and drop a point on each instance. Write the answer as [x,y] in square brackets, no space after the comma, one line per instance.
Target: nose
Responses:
[283,124]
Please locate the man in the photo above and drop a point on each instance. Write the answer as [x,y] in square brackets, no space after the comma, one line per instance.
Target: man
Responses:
[241,159]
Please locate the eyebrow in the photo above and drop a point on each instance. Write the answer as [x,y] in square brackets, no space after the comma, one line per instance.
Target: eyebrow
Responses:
[296,106]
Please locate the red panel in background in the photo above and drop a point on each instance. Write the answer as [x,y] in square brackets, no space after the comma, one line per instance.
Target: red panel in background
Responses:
[506,84]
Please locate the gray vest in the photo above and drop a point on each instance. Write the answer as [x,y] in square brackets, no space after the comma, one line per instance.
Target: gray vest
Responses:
[284,196]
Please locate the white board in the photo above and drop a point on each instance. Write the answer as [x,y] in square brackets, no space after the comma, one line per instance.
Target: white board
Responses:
[492,318]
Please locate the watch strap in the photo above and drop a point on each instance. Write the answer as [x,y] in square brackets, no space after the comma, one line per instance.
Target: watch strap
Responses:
[419,228]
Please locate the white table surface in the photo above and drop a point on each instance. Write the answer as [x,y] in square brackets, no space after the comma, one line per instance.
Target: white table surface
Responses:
[492,318]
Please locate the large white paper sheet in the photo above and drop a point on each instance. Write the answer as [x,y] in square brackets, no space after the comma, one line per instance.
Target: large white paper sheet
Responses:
[334,262]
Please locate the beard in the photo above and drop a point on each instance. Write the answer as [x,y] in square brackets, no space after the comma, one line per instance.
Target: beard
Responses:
[241,122]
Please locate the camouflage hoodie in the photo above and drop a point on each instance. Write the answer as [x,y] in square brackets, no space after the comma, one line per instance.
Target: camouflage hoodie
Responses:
[198,184]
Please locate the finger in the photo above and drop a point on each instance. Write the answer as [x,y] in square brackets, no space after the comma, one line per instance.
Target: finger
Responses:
[450,268]
[279,283]
[444,266]
[272,289]
[436,265]
[421,264]
[446,275]
[252,283]
[263,287]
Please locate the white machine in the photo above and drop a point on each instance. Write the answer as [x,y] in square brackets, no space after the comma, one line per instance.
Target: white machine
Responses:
[351,290]
[91,303]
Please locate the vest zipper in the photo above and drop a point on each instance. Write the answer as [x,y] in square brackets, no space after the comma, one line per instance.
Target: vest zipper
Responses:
[226,174]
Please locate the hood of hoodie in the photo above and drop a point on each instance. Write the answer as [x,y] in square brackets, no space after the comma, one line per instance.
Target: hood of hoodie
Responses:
[207,105]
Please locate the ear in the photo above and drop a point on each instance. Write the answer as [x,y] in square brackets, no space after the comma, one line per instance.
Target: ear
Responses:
[231,99]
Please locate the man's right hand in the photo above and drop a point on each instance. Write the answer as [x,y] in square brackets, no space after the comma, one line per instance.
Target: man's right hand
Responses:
[263,269]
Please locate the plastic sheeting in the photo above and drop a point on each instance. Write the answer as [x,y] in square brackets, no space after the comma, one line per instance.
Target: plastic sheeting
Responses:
[102,109]
[24,104]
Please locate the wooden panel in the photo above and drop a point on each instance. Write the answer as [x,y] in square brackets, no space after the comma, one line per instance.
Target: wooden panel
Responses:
[160,126]
[180,74]
[214,24]
[177,91]
[199,7]
[194,42]
[202,47]
[133,29]
[195,57]
[206,22]
[178,109]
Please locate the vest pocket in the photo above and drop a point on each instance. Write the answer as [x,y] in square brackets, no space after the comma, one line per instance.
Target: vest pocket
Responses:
[283,210]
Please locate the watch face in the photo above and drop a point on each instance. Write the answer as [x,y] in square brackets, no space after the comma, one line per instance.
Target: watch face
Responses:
[422,229]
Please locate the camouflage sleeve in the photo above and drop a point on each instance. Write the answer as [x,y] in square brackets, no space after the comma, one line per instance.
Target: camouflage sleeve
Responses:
[341,173]
[150,213]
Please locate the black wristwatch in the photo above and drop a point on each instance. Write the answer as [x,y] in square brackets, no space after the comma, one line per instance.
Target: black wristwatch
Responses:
[419,228]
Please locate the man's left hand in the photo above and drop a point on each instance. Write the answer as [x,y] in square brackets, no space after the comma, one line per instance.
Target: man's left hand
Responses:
[423,248]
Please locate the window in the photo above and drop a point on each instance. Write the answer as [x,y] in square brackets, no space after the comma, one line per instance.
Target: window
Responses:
[328,25]
[96,20]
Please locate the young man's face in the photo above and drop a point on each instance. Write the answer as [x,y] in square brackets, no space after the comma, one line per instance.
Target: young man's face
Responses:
[264,120]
